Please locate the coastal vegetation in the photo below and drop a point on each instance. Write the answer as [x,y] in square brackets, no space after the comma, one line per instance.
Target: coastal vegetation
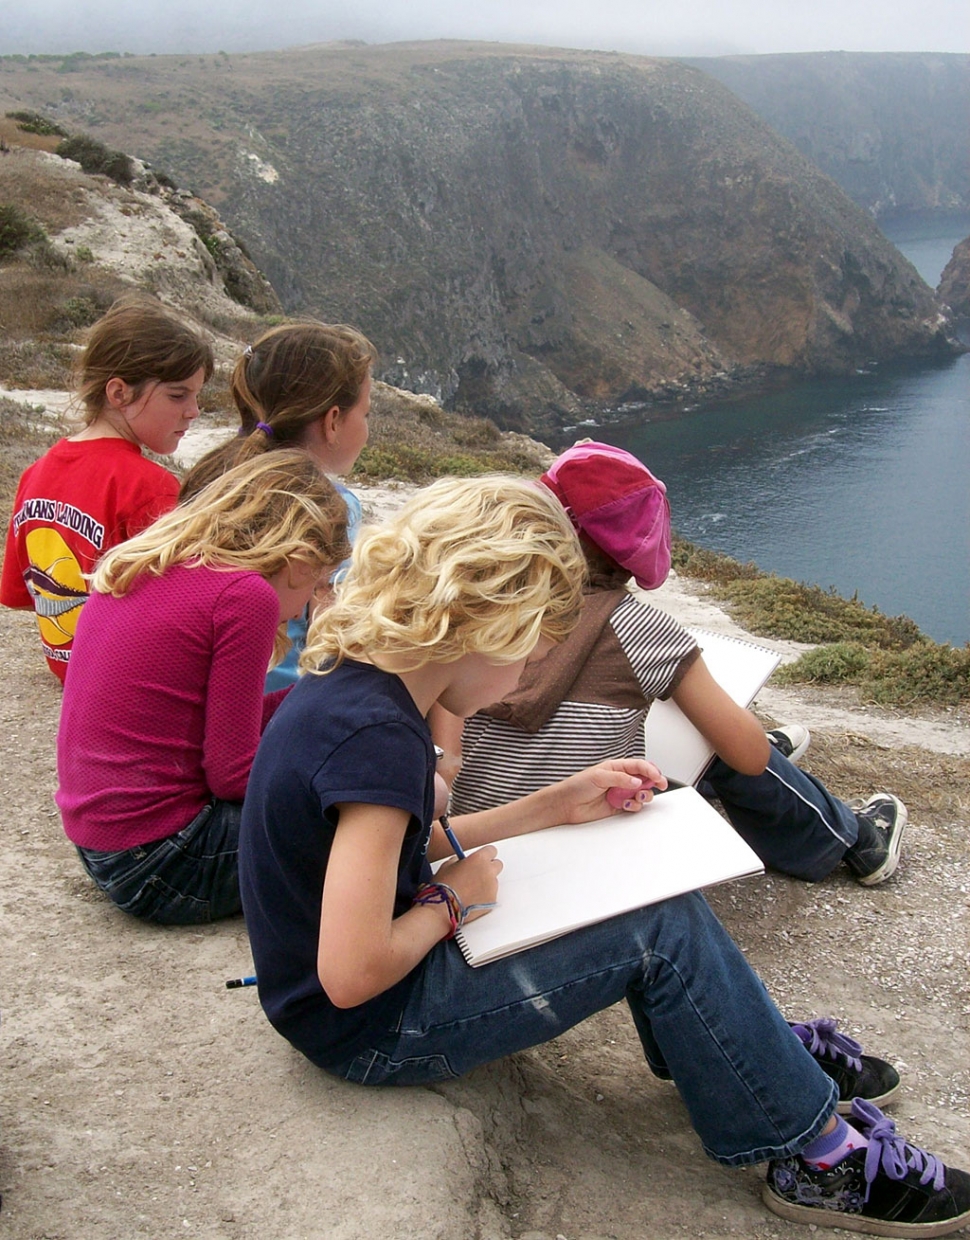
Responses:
[95,157]
[887,658]
[17,230]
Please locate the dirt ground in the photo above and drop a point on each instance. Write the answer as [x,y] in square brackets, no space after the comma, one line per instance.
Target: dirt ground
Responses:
[139,1097]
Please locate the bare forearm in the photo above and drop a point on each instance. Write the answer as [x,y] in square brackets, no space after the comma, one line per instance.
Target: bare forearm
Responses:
[409,939]
[531,813]
[734,733]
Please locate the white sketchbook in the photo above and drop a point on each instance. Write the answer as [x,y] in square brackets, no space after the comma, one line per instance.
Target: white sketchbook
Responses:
[560,879]
[741,669]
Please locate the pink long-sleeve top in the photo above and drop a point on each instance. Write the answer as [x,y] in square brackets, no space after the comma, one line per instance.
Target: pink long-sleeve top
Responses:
[163,703]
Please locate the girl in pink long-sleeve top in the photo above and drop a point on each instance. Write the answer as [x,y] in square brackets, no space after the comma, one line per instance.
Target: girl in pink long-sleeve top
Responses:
[164,705]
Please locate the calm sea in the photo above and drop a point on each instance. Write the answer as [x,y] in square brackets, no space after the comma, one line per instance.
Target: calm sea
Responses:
[860,483]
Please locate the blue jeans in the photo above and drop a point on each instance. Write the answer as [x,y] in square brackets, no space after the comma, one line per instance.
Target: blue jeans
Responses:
[787,816]
[183,880]
[704,1019]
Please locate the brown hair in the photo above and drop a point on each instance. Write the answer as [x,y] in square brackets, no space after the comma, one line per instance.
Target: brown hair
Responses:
[139,341]
[287,380]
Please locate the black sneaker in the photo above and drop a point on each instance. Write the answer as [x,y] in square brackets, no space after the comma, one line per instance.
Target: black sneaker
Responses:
[791,740]
[840,1057]
[890,1189]
[875,854]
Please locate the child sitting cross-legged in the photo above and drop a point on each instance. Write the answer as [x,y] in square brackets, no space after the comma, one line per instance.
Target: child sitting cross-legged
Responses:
[164,703]
[353,935]
[589,699]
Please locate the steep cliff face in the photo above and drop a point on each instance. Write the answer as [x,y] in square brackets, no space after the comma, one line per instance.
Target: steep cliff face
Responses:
[954,289]
[890,128]
[523,232]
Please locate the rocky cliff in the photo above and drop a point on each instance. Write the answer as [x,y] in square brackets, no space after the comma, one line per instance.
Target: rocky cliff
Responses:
[890,128]
[524,233]
[954,289]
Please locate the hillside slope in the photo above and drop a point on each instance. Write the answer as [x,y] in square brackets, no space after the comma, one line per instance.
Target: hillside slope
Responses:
[88,240]
[890,128]
[524,232]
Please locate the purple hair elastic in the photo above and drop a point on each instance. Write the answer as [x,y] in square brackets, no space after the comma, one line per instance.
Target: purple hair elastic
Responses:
[265,428]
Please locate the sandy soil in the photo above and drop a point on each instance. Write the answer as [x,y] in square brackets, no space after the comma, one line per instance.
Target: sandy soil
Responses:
[139,1097]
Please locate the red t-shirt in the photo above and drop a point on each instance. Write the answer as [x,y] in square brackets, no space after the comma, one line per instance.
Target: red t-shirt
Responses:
[72,505]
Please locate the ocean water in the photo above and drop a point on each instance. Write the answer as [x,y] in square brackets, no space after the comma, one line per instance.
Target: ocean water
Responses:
[859,483]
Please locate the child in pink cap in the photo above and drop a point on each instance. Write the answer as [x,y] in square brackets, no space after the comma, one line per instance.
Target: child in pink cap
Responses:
[588,699]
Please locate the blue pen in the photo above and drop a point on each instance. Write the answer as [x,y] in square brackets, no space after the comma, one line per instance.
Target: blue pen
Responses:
[235,982]
[452,838]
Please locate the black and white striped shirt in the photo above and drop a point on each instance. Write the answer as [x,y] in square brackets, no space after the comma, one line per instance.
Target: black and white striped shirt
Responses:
[501,762]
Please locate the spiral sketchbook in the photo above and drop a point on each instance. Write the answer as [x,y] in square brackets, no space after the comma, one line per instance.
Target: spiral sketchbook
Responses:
[563,878]
[741,668]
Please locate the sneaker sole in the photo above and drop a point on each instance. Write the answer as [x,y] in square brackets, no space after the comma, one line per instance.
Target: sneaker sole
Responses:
[845,1105]
[821,1217]
[888,867]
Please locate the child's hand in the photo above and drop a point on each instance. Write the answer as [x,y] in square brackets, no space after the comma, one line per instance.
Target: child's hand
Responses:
[475,878]
[619,784]
[630,800]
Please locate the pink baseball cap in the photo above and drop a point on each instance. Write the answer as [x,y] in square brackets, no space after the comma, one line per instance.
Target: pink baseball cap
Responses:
[617,503]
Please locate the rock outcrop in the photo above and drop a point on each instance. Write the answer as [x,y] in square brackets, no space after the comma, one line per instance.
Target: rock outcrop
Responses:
[954,287]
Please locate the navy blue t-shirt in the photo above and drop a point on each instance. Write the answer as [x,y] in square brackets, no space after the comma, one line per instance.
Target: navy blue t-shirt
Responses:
[354,735]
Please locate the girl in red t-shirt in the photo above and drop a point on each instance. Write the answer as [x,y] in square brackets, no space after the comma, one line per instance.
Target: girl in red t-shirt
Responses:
[138,384]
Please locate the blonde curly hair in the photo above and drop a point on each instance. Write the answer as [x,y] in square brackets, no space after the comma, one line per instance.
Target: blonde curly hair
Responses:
[261,516]
[469,565]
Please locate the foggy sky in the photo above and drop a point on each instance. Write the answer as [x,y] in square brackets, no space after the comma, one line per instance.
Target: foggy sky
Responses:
[652,27]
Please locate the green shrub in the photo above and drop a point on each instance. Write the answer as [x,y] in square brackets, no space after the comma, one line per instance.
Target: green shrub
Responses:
[841,663]
[413,464]
[95,157]
[33,122]
[693,561]
[791,610]
[805,613]
[925,673]
[17,230]
[81,311]
[84,254]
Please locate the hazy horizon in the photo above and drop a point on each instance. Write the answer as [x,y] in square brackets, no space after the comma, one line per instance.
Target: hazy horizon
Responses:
[694,28]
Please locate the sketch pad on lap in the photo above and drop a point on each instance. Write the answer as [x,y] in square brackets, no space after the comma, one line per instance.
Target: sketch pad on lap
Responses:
[566,877]
[741,669]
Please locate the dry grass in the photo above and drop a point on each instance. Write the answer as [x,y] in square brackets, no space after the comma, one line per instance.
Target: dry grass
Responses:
[935,787]
[48,191]
[22,440]
[412,439]
[32,300]
[13,135]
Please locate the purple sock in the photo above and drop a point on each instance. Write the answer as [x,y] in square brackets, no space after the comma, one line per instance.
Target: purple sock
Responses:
[825,1151]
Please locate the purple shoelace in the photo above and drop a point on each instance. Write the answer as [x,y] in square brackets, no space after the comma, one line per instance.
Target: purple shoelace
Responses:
[895,1155]
[822,1037]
